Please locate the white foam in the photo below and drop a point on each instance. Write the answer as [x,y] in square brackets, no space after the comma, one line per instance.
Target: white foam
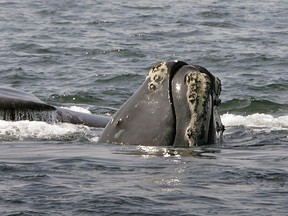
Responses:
[256,120]
[39,130]
[22,130]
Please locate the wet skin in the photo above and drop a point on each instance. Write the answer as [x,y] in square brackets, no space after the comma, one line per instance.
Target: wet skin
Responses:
[177,105]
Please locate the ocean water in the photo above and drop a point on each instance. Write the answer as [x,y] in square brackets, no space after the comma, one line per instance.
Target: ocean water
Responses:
[92,55]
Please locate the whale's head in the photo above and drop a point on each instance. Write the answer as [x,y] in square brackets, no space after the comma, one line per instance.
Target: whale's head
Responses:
[177,105]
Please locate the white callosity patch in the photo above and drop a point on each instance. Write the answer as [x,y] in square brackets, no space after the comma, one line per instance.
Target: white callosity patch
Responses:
[198,97]
[156,75]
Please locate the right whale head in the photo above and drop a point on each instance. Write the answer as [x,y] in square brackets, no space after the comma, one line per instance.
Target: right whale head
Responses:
[177,105]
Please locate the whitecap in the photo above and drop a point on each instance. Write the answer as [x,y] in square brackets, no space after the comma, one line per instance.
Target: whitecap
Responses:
[256,120]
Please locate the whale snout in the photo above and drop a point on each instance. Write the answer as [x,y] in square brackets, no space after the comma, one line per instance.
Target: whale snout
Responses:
[177,105]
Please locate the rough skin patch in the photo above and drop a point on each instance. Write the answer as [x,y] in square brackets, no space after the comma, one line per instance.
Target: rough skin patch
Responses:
[217,120]
[217,92]
[218,86]
[198,96]
[156,75]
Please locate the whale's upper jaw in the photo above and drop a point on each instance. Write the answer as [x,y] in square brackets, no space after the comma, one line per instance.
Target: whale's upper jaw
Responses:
[175,106]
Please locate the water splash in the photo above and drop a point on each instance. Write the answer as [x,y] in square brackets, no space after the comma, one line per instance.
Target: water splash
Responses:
[78,109]
[256,120]
[23,130]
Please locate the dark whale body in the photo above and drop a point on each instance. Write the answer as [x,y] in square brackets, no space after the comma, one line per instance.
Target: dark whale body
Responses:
[177,105]
[16,105]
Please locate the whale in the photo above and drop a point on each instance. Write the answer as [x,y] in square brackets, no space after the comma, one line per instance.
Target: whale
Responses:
[177,105]
[16,105]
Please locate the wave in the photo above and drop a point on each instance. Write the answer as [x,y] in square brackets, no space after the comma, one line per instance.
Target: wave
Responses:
[252,105]
[256,120]
[27,130]
[36,130]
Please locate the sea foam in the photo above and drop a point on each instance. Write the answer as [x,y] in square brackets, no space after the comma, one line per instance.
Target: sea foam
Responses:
[20,130]
[256,120]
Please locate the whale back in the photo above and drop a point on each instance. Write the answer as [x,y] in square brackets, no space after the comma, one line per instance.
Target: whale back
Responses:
[16,105]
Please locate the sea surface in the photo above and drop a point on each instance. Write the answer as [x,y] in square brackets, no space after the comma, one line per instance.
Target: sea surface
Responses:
[92,55]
